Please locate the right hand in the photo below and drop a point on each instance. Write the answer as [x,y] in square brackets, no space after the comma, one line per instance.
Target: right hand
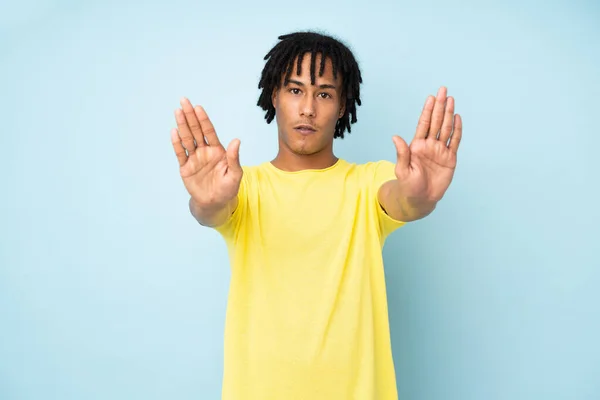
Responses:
[211,174]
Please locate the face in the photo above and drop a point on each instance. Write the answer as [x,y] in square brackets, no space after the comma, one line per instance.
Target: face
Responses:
[301,103]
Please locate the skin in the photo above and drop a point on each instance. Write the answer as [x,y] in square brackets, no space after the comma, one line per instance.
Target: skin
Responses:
[425,168]
[300,102]
[212,174]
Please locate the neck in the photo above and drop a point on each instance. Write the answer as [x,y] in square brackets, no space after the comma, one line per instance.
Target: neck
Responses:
[292,162]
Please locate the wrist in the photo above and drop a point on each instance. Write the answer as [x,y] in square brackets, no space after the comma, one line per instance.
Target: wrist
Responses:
[207,205]
[403,205]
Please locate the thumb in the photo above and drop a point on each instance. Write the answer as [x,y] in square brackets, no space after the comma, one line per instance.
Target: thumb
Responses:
[233,156]
[402,151]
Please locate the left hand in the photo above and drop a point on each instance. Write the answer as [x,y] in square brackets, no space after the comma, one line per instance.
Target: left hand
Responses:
[425,169]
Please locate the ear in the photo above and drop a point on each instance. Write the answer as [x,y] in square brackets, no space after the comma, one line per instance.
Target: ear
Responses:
[274,97]
[343,105]
[342,111]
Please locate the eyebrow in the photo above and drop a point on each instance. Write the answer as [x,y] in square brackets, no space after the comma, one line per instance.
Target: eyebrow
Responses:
[324,86]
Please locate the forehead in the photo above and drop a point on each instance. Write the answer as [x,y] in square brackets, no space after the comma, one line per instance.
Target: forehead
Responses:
[304,76]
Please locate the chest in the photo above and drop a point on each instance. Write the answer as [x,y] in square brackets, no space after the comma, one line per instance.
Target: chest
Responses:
[309,212]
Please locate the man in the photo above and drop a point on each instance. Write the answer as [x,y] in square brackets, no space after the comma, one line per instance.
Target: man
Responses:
[307,311]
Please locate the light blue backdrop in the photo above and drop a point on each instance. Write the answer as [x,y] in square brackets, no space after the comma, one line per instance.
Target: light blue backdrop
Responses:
[109,289]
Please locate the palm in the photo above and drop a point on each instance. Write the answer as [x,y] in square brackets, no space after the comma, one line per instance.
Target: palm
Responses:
[199,158]
[431,168]
[211,174]
[425,168]
[205,182]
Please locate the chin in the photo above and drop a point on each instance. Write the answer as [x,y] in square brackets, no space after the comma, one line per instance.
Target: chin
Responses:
[301,148]
[302,151]
[304,147]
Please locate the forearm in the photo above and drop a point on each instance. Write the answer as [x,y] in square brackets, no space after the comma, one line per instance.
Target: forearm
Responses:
[403,208]
[212,215]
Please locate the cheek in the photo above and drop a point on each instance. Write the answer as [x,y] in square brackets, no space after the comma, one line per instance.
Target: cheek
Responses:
[285,108]
[334,115]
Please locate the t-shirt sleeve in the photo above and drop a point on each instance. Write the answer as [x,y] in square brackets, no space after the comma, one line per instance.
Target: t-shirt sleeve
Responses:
[384,171]
[229,229]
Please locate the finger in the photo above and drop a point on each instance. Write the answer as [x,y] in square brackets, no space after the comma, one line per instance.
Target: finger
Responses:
[179,150]
[457,135]
[438,113]
[403,152]
[425,119]
[184,131]
[447,125]
[207,127]
[192,122]
[233,156]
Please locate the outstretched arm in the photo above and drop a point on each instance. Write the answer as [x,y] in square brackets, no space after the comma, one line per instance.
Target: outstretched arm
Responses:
[424,169]
[211,174]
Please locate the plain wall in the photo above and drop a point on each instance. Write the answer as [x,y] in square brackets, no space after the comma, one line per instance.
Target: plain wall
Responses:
[109,289]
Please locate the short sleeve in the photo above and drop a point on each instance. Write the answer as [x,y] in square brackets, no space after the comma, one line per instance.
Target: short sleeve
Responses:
[383,172]
[229,229]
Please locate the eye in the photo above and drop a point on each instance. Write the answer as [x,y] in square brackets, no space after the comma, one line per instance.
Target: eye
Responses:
[327,95]
[292,90]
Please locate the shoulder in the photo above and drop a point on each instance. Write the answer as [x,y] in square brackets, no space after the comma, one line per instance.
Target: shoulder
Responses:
[373,166]
[254,173]
[376,172]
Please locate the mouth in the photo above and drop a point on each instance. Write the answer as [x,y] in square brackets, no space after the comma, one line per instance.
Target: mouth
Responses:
[305,129]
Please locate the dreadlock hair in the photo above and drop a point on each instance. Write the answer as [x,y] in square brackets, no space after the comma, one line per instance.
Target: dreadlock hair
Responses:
[280,61]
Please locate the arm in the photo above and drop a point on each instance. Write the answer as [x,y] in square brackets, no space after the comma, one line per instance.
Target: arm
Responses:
[424,169]
[400,207]
[212,216]
[211,174]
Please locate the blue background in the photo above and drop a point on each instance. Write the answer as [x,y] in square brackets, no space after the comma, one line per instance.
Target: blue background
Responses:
[109,289]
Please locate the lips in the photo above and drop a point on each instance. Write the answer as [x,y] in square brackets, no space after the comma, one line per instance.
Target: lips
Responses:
[305,129]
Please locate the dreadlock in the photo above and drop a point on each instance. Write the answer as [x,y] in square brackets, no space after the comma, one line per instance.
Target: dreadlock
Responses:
[280,61]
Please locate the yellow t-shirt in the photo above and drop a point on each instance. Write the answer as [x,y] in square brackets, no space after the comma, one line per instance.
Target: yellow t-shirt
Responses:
[307,313]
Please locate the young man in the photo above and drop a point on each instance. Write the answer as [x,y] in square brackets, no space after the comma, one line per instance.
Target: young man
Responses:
[307,313]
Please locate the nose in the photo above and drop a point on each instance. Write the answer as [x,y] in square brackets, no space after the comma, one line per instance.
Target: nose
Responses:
[307,107]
